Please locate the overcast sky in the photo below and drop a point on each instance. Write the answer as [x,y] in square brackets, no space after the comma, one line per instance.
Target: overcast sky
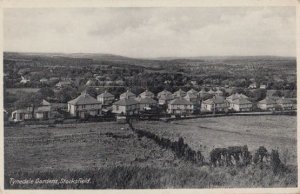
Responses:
[153,32]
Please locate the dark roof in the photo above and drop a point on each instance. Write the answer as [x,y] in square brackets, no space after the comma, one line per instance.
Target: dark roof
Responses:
[192,91]
[147,101]
[105,94]
[146,93]
[241,101]
[179,93]
[215,100]
[84,99]
[236,96]
[45,103]
[126,102]
[190,95]
[163,93]
[180,101]
[127,94]
[166,97]
[267,101]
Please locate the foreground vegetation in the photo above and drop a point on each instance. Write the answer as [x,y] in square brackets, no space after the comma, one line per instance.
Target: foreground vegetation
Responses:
[188,176]
[114,156]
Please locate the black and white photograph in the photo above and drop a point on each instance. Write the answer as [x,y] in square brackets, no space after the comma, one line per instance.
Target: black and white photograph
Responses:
[150,97]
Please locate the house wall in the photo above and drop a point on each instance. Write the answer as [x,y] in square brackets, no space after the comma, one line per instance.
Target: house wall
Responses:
[91,109]
[266,106]
[180,109]
[129,110]
[242,107]
[142,106]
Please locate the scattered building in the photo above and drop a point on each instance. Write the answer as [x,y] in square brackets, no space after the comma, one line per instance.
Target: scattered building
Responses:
[147,103]
[241,105]
[106,98]
[44,80]
[252,86]
[62,84]
[263,86]
[126,106]
[164,93]
[179,93]
[192,91]
[267,104]
[24,80]
[215,104]
[219,92]
[285,104]
[164,97]
[84,105]
[191,98]
[211,92]
[91,82]
[22,114]
[146,94]
[180,106]
[202,93]
[234,97]
[127,94]
[42,112]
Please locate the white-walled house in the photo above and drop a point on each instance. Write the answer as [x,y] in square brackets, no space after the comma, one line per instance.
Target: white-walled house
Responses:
[180,106]
[106,98]
[241,105]
[234,97]
[21,114]
[42,112]
[215,104]
[191,98]
[84,105]
[164,97]
[285,104]
[127,94]
[267,104]
[126,106]
[146,103]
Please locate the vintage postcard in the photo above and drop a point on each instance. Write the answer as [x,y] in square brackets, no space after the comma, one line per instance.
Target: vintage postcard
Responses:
[171,96]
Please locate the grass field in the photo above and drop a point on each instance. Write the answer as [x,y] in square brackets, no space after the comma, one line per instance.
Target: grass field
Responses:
[204,134]
[78,147]
[115,157]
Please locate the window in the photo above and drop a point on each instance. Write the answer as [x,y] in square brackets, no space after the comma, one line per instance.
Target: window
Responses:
[117,107]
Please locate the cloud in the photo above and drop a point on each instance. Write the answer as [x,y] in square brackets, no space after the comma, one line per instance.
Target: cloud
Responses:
[153,32]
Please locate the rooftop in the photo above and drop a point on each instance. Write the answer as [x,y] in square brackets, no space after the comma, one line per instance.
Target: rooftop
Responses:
[83,99]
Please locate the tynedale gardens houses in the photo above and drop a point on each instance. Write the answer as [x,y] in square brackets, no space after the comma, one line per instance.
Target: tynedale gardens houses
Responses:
[178,104]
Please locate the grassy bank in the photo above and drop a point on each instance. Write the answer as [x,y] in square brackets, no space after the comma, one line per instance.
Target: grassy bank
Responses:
[134,177]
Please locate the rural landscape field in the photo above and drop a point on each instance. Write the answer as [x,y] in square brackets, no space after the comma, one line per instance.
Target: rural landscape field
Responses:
[112,151]
[138,97]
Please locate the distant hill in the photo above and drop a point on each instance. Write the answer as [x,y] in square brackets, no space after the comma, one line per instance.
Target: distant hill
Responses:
[147,62]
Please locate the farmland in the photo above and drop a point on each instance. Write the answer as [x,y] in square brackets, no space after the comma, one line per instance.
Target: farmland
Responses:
[110,151]
[204,134]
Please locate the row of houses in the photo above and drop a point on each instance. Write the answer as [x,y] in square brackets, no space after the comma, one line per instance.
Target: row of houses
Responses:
[177,103]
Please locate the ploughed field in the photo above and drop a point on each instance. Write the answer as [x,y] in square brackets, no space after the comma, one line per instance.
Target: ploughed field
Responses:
[204,134]
[115,157]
